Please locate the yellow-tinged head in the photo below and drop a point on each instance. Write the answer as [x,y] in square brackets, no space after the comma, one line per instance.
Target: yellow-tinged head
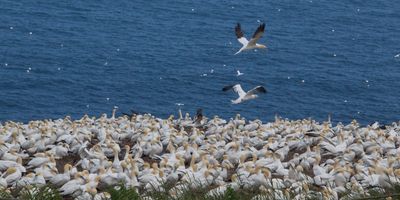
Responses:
[67,167]
[30,175]
[124,165]
[54,171]
[234,177]
[133,173]
[19,160]
[397,172]
[146,165]
[154,165]
[92,191]
[101,170]
[98,178]
[85,173]
[206,173]
[266,172]
[261,46]
[11,170]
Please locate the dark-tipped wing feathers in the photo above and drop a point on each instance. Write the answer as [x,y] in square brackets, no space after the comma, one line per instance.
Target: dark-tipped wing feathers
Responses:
[238,31]
[259,32]
[258,89]
[226,88]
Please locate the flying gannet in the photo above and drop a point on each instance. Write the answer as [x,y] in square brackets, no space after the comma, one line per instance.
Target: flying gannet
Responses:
[244,96]
[247,45]
[239,73]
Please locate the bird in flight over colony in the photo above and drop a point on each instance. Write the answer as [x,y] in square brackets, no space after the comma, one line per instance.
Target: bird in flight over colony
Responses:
[244,96]
[252,44]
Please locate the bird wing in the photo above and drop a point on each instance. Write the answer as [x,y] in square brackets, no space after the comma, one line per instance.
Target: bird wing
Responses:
[238,89]
[329,147]
[199,112]
[257,35]
[258,89]
[240,35]
[199,115]
[226,88]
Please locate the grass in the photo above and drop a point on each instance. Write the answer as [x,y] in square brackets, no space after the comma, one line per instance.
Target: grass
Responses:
[123,193]
[120,192]
[247,194]
[46,192]
[40,193]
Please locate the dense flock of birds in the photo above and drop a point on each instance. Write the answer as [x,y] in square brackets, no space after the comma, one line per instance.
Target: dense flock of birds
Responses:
[83,157]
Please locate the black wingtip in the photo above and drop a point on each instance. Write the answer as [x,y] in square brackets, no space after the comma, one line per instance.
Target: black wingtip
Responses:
[134,112]
[262,27]
[226,88]
[238,31]
[237,27]
[199,114]
[262,89]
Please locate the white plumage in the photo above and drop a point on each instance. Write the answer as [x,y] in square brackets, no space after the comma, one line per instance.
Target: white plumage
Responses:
[244,96]
[252,44]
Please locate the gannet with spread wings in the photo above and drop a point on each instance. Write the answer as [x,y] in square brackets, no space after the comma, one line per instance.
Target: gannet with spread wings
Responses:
[252,44]
[244,96]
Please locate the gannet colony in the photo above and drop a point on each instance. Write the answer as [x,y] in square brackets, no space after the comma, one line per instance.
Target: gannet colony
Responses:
[82,157]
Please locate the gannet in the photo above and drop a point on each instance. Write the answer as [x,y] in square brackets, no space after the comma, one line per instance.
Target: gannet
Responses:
[247,45]
[239,73]
[61,179]
[199,116]
[12,175]
[244,96]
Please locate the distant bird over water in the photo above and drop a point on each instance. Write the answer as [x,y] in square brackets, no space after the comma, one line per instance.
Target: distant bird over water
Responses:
[244,96]
[252,44]
[239,73]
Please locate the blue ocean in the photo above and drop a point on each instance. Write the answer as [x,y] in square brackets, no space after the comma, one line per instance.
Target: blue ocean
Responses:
[61,58]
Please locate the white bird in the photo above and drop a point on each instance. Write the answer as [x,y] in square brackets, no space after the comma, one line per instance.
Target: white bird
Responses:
[12,175]
[113,112]
[72,185]
[244,96]
[239,73]
[38,161]
[61,179]
[252,44]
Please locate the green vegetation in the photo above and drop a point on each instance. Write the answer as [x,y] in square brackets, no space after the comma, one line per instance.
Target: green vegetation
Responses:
[46,192]
[201,194]
[40,193]
[164,193]
[123,193]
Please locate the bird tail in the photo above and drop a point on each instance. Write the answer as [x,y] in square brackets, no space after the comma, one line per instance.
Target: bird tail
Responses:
[235,101]
[241,49]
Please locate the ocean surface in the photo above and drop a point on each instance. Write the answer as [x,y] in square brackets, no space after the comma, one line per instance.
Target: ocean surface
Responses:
[324,57]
